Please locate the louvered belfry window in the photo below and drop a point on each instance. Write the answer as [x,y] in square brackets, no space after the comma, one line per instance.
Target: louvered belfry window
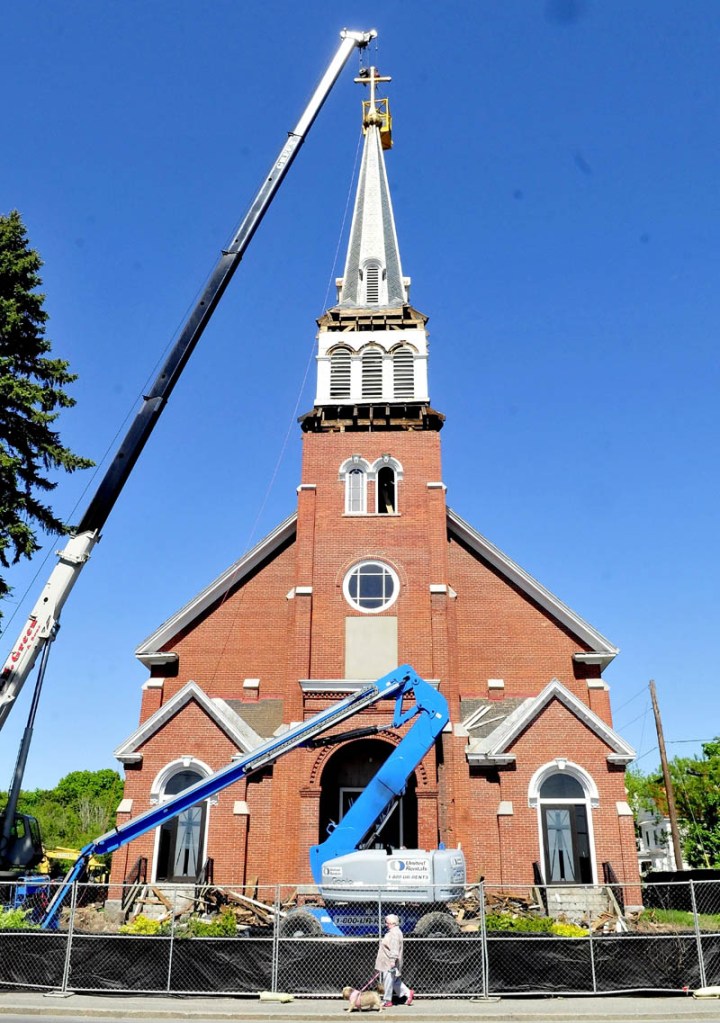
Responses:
[372,374]
[403,374]
[372,285]
[340,374]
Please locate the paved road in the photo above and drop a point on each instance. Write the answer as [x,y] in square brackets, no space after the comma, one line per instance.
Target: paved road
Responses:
[17,1006]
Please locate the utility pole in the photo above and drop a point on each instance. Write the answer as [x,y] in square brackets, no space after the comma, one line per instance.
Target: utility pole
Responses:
[670,792]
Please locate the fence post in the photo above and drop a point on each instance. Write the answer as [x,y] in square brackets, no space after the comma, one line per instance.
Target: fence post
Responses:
[590,939]
[484,944]
[698,938]
[68,947]
[168,987]
[274,968]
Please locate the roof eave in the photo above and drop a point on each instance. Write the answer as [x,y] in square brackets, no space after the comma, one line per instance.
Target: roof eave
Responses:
[601,648]
[151,647]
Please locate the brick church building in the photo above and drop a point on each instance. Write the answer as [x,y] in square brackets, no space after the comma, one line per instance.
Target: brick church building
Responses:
[373,570]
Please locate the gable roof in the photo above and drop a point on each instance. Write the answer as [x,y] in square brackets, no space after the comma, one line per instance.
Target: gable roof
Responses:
[232,724]
[602,650]
[493,749]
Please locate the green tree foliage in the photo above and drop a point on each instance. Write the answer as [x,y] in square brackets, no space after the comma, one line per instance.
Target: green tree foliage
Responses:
[696,783]
[32,396]
[80,807]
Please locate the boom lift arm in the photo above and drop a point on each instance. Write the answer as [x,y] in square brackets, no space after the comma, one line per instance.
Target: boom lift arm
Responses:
[388,784]
[429,706]
[43,622]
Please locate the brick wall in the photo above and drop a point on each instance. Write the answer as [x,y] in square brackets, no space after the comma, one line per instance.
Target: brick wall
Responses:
[488,630]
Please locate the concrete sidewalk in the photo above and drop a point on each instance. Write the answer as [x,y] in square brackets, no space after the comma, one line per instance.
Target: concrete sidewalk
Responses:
[310,1010]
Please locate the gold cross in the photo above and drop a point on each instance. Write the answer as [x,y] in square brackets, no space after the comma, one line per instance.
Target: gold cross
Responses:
[370,76]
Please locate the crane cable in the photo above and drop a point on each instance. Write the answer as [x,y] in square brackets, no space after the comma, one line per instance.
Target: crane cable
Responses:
[291,424]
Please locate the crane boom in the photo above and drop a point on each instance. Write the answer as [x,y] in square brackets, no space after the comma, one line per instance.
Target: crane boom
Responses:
[43,621]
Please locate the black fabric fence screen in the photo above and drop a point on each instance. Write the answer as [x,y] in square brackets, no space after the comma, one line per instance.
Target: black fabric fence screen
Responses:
[490,942]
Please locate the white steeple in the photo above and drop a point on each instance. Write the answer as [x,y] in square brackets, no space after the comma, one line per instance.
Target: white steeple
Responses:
[372,345]
[373,273]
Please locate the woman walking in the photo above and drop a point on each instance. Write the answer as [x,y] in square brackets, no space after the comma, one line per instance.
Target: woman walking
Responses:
[389,963]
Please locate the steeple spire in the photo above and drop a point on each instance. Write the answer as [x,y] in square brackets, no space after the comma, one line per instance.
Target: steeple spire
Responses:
[372,361]
[373,272]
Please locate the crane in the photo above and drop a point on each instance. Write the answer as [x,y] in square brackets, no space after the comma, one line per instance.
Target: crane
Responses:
[42,625]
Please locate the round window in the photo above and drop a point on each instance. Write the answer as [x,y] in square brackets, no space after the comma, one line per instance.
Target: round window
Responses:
[371,586]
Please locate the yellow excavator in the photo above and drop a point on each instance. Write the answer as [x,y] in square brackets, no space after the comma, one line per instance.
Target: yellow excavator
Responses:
[56,863]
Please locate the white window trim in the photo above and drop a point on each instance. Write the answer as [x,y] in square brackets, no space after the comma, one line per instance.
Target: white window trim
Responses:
[387,461]
[354,462]
[384,460]
[371,610]
[157,789]
[591,801]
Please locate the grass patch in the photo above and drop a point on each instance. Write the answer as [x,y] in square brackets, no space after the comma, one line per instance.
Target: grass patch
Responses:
[678,919]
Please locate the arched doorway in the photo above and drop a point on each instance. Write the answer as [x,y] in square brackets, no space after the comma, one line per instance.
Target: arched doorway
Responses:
[182,840]
[565,825]
[344,777]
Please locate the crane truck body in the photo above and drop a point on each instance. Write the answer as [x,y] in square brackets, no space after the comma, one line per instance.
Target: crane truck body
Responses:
[20,845]
[348,874]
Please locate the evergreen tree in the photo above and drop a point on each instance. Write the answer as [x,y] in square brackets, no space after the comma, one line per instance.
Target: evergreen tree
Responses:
[31,397]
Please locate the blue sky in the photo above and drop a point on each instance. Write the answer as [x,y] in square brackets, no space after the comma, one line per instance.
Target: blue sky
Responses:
[555,180]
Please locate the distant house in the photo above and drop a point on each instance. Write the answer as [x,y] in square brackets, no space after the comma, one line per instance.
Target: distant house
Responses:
[654,842]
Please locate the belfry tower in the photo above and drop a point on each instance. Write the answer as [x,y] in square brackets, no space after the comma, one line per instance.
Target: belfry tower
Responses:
[374,375]
[371,531]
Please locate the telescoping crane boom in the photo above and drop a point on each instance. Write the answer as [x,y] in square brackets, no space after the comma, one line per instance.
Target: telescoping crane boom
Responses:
[358,827]
[43,622]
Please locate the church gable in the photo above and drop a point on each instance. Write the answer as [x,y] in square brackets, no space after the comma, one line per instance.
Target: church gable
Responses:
[511,627]
[240,733]
[499,746]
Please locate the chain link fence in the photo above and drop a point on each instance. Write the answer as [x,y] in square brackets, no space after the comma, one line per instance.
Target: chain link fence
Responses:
[510,940]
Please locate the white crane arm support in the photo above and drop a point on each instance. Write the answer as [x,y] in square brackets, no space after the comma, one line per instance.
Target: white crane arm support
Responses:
[42,621]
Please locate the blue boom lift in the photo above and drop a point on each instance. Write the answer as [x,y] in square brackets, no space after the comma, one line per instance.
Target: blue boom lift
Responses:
[415,882]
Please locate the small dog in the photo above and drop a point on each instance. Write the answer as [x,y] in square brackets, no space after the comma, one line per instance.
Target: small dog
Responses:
[362,1001]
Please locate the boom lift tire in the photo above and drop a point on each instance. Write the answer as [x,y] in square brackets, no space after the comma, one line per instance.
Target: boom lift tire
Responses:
[300,924]
[437,925]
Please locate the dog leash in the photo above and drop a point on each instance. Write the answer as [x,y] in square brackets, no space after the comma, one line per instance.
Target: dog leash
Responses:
[359,991]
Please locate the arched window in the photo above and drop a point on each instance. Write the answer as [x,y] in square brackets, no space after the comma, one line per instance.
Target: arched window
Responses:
[403,374]
[181,846]
[340,374]
[345,776]
[386,494]
[355,473]
[565,827]
[356,491]
[372,374]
